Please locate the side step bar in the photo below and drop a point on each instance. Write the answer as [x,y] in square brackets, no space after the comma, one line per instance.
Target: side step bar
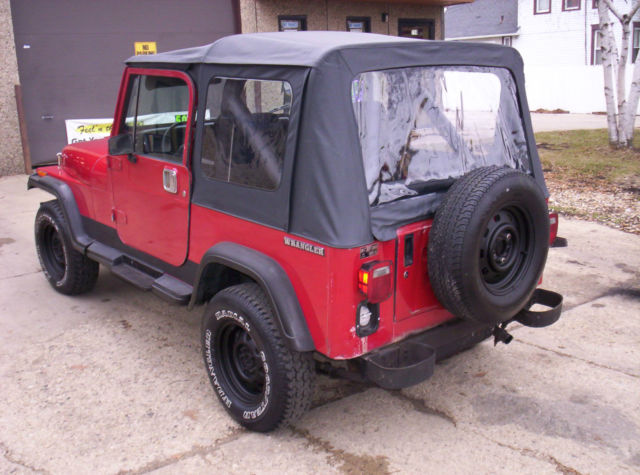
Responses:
[122,265]
[141,275]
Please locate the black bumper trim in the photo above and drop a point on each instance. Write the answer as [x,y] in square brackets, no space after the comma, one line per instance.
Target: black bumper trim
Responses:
[541,318]
[412,361]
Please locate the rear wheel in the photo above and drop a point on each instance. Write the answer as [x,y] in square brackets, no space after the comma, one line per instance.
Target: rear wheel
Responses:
[488,244]
[67,270]
[260,381]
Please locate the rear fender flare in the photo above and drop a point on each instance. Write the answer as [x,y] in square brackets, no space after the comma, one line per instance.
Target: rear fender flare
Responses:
[273,280]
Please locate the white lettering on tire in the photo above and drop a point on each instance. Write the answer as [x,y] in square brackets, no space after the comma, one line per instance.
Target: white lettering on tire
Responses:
[267,391]
[207,345]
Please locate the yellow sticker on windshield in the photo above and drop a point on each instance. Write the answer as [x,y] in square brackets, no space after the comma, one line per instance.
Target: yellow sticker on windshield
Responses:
[145,47]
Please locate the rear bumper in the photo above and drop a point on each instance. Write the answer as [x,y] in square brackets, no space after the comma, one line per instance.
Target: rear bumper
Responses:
[413,360]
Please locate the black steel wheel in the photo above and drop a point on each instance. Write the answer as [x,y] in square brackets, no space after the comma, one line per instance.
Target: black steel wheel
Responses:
[241,365]
[68,271]
[261,382]
[488,244]
[505,248]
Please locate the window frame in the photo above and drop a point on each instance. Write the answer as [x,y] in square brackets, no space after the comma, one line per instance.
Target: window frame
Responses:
[428,23]
[301,18]
[541,12]
[366,20]
[635,26]
[123,105]
[595,30]
[571,9]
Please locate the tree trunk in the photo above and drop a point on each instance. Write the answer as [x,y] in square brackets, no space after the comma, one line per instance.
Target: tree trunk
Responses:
[621,87]
[620,124]
[607,45]
[632,103]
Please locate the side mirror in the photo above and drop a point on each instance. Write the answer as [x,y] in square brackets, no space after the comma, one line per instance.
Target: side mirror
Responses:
[121,145]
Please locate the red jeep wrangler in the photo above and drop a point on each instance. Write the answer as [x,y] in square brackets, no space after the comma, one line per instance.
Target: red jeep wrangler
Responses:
[353,202]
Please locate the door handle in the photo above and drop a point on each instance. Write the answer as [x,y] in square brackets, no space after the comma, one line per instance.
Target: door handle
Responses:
[170,180]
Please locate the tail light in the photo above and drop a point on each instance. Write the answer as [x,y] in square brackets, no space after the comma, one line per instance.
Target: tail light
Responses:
[375,280]
[553,227]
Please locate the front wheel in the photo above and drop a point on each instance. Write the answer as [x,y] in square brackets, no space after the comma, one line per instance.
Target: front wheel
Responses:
[260,381]
[67,270]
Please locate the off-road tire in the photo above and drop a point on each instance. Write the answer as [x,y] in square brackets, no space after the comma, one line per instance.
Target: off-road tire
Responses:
[260,381]
[488,244]
[68,271]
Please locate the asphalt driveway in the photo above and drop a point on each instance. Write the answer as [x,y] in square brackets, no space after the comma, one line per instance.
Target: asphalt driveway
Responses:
[113,382]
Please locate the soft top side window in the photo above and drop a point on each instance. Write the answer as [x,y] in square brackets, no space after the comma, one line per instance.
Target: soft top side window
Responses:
[157,116]
[245,132]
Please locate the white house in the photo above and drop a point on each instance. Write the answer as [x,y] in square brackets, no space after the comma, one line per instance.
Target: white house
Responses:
[557,39]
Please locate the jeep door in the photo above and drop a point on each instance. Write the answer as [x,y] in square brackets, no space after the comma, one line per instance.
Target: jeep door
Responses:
[151,185]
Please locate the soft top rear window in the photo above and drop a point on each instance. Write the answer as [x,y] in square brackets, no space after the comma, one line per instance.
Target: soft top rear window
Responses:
[421,128]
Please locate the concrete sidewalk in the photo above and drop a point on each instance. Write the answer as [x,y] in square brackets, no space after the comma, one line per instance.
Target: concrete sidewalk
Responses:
[113,382]
[551,122]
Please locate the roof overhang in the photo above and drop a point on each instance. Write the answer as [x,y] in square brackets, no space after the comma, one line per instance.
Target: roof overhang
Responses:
[484,37]
[426,3]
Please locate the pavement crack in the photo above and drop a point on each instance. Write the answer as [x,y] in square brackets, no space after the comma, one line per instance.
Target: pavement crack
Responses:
[347,462]
[567,355]
[559,466]
[196,450]
[421,406]
[20,275]
[11,457]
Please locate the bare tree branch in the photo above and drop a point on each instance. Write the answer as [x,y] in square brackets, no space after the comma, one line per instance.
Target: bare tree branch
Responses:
[613,10]
[634,9]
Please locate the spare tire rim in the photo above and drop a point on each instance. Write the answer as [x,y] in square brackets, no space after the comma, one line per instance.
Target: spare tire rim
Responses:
[505,249]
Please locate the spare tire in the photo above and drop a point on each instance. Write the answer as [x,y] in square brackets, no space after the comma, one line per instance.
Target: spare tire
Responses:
[488,244]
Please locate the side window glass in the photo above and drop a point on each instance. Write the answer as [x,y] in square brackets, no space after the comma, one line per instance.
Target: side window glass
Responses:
[157,114]
[245,131]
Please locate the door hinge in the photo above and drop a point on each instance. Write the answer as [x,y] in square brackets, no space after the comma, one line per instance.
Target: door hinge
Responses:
[114,163]
[118,216]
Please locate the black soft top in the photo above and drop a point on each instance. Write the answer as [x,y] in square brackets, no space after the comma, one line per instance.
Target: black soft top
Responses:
[302,48]
[325,198]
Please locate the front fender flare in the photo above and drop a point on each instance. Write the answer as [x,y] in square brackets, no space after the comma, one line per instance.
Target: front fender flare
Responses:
[79,238]
[273,280]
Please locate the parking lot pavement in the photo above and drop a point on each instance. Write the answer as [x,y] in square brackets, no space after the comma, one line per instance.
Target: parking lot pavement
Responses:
[548,122]
[113,382]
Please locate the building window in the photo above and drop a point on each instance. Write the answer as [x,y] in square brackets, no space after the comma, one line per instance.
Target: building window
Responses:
[541,6]
[570,5]
[596,52]
[416,28]
[507,40]
[594,3]
[636,41]
[359,24]
[292,22]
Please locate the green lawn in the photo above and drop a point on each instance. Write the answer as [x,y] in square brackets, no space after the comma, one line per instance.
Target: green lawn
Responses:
[585,155]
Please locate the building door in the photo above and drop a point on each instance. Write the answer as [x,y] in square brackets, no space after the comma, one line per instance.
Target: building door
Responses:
[71,52]
[416,28]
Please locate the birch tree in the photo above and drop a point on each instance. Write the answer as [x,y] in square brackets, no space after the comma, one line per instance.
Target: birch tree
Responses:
[621,110]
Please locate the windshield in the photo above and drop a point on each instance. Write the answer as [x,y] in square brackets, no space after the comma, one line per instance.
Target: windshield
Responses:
[420,128]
